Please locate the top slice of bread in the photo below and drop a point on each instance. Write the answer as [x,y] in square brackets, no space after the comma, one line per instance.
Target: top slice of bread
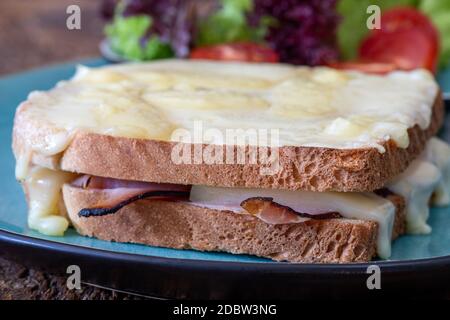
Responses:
[301,168]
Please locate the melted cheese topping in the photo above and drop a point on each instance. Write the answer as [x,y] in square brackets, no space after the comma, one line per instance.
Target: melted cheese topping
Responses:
[362,206]
[44,193]
[427,178]
[23,165]
[438,153]
[318,107]
[416,184]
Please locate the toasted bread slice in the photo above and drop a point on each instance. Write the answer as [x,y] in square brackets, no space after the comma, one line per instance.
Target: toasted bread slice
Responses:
[301,168]
[182,225]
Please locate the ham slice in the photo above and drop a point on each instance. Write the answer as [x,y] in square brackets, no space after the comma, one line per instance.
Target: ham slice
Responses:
[118,193]
[274,213]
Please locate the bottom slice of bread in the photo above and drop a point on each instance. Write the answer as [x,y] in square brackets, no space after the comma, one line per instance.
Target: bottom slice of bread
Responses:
[184,226]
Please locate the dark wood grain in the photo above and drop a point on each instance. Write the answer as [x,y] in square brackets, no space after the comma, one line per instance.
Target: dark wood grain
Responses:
[33,33]
[18,282]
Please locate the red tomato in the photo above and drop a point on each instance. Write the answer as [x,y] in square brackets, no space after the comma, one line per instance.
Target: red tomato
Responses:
[407,49]
[244,51]
[405,18]
[367,67]
[407,38]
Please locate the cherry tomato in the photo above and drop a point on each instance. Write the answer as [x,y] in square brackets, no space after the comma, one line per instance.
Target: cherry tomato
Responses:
[243,51]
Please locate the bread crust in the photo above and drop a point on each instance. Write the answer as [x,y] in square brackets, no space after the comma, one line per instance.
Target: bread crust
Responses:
[301,168]
[400,215]
[182,225]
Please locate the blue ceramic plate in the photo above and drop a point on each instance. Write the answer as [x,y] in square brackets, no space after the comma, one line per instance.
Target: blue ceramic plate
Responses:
[18,240]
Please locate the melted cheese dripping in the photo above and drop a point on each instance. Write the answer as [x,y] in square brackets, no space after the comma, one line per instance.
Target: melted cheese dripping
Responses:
[44,195]
[351,205]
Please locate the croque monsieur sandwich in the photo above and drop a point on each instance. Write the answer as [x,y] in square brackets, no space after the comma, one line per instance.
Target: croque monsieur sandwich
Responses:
[322,165]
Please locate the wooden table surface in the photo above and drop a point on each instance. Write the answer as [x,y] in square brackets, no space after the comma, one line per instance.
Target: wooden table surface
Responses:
[33,33]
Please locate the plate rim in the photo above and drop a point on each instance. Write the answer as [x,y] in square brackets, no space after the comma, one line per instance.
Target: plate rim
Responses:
[17,239]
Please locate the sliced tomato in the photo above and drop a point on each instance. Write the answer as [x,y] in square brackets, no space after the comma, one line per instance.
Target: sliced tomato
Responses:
[407,38]
[245,51]
[367,67]
[406,18]
[408,49]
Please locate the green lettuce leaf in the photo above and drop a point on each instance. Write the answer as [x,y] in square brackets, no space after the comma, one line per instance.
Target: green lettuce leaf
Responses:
[229,24]
[126,34]
[439,13]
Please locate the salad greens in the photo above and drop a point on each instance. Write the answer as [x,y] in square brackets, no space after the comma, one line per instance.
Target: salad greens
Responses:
[126,37]
[229,24]
[352,28]
[439,13]
[302,32]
